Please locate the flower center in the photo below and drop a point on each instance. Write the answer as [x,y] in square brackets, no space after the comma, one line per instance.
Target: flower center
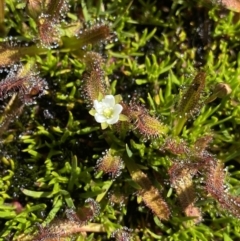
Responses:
[108,112]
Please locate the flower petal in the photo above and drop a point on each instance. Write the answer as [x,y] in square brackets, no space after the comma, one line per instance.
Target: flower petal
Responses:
[109,100]
[113,120]
[117,109]
[97,105]
[100,118]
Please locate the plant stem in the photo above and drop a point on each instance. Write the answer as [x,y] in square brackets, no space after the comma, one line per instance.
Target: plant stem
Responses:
[2,27]
[179,125]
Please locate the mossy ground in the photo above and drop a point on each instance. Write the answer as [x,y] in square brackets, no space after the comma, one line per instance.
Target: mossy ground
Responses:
[49,153]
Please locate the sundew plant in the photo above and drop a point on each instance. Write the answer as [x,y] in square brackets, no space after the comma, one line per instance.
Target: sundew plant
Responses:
[119,120]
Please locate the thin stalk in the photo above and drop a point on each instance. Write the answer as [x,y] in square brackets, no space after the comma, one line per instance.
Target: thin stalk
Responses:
[179,125]
[2,26]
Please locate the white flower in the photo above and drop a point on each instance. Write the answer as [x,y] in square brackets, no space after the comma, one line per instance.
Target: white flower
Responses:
[106,110]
